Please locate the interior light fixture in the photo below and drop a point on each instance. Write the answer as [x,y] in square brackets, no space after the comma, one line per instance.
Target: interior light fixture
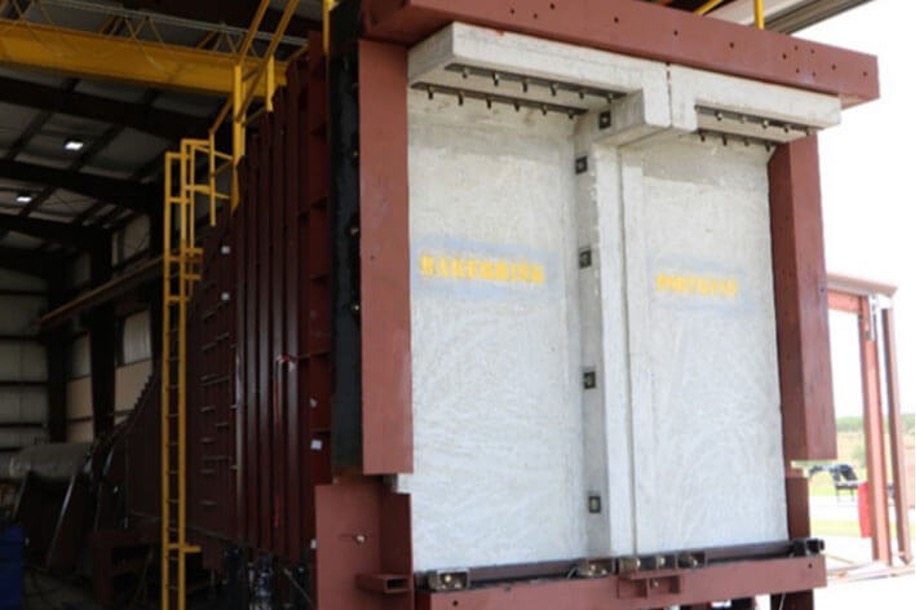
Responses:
[73,144]
[24,198]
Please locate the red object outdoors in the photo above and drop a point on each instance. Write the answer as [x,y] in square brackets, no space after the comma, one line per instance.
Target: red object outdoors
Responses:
[864,512]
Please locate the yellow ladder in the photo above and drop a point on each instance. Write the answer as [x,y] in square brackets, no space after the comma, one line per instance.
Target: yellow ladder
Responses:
[182,268]
[188,188]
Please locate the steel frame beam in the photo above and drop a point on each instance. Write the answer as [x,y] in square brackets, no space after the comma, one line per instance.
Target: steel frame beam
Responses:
[34,46]
[27,262]
[134,196]
[643,590]
[646,30]
[800,287]
[102,340]
[161,123]
[859,298]
[895,423]
[71,236]
[104,293]
[57,356]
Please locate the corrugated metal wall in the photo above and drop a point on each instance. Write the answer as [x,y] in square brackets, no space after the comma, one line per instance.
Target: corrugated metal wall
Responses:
[23,363]
[134,366]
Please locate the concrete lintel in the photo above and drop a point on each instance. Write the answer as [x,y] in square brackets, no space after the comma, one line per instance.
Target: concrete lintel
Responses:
[692,89]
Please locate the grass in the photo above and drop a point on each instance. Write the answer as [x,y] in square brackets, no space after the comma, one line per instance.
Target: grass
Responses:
[825,527]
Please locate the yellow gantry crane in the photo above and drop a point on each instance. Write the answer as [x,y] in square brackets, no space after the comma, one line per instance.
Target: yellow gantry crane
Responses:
[188,189]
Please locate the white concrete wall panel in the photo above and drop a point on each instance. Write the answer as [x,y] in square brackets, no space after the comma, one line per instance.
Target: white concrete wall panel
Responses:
[681,437]
[707,431]
[496,399]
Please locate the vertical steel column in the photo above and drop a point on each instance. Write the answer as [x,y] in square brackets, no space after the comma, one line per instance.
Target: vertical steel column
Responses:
[315,288]
[102,339]
[874,431]
[895,423]
[290,249]
[281,359]
[265,360]
[57,355]
[800,289]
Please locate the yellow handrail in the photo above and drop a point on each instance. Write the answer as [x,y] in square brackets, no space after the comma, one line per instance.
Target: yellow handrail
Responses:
[758,11]
[708,7]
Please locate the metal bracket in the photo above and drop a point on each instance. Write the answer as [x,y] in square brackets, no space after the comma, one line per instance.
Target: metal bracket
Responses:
[448,580]
[386,584]
[581,165]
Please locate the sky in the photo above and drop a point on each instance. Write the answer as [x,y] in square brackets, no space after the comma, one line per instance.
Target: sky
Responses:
[868,166]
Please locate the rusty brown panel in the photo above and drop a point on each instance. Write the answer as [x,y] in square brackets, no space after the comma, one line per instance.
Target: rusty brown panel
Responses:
[317,281]
[895,424]
[292,170]
[242,414]
[280,357]
[874,434]
[644,30]
[253,464]
[800,288]
[306,391]
[797,505]
[732,580]
[348,539]
[396,549]
[361,529]
[385,260]
[263,338]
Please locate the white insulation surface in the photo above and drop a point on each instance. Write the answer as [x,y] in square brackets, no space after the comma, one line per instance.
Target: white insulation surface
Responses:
[706,434]
[681,438]
[496,404]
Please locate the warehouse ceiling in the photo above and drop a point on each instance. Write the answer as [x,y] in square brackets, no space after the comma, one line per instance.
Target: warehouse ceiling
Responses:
[78,153]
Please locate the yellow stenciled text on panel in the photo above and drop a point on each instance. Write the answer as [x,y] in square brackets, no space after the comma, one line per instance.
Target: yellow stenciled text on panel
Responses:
[482,269]
[696,285]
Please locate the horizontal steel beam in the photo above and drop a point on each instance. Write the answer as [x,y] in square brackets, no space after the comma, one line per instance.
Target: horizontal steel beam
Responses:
[21,383]
[104,293]
[659,589]
[27,262]
[642,29]
[162,123]
[20,338]
[72,236]
[88,55]
[135,196]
